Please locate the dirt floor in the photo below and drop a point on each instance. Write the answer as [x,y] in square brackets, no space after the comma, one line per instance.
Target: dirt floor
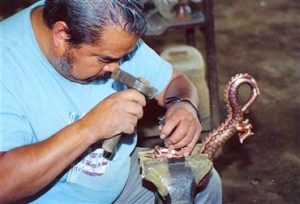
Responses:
[262,38]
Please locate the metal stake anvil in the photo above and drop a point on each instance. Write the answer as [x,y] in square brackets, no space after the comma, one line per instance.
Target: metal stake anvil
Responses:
[175,178]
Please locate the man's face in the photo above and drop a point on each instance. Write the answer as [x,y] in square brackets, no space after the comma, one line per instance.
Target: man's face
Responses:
[90,62]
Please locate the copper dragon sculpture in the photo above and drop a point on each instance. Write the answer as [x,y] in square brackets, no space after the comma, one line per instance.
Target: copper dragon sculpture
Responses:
[235,122]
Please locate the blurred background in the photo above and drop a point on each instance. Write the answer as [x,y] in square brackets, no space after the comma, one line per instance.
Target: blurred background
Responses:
[262,38]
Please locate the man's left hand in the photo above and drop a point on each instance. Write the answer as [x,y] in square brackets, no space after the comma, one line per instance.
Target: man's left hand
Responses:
[181,128]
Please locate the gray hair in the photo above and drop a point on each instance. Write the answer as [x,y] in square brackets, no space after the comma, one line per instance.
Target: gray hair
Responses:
[87,18]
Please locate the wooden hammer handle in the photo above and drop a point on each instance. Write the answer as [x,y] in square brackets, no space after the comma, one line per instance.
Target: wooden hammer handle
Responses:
[109,146]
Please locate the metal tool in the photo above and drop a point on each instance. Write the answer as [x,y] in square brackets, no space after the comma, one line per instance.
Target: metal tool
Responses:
[175,179]
[138,84]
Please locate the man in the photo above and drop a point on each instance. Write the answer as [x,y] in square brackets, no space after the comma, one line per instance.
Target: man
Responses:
[58,102]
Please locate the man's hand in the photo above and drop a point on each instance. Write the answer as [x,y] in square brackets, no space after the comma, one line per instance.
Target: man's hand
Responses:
[116,114]
[182,128]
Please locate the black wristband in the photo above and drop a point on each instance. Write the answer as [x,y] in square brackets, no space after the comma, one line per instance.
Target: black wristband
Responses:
[174,99]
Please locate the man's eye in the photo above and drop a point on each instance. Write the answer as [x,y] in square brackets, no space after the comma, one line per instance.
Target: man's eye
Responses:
[103,60]
[108,60]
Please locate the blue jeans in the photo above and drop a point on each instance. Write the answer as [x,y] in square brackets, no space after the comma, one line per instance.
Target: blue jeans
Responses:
[134,192]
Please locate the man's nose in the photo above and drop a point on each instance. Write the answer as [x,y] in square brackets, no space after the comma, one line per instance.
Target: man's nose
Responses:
[112,67]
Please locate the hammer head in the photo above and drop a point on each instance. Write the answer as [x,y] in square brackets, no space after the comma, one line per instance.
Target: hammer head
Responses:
[138,84]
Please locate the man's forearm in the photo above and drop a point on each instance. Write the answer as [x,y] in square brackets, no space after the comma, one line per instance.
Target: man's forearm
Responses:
[179,86]
[182,87]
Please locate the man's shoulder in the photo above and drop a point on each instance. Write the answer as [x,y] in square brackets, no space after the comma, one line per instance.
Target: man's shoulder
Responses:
[14,29]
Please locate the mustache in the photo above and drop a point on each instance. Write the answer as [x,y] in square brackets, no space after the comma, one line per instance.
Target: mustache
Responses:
[104,76]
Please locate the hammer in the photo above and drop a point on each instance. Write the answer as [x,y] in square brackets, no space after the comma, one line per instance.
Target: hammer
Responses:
[131,82]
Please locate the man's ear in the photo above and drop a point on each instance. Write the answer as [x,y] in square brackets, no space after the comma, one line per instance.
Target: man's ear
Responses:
[60,35]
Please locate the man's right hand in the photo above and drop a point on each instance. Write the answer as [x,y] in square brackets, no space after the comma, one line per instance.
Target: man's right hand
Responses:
[116,114]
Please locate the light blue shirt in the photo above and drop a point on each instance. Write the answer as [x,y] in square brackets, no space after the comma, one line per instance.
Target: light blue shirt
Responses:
[36,102]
